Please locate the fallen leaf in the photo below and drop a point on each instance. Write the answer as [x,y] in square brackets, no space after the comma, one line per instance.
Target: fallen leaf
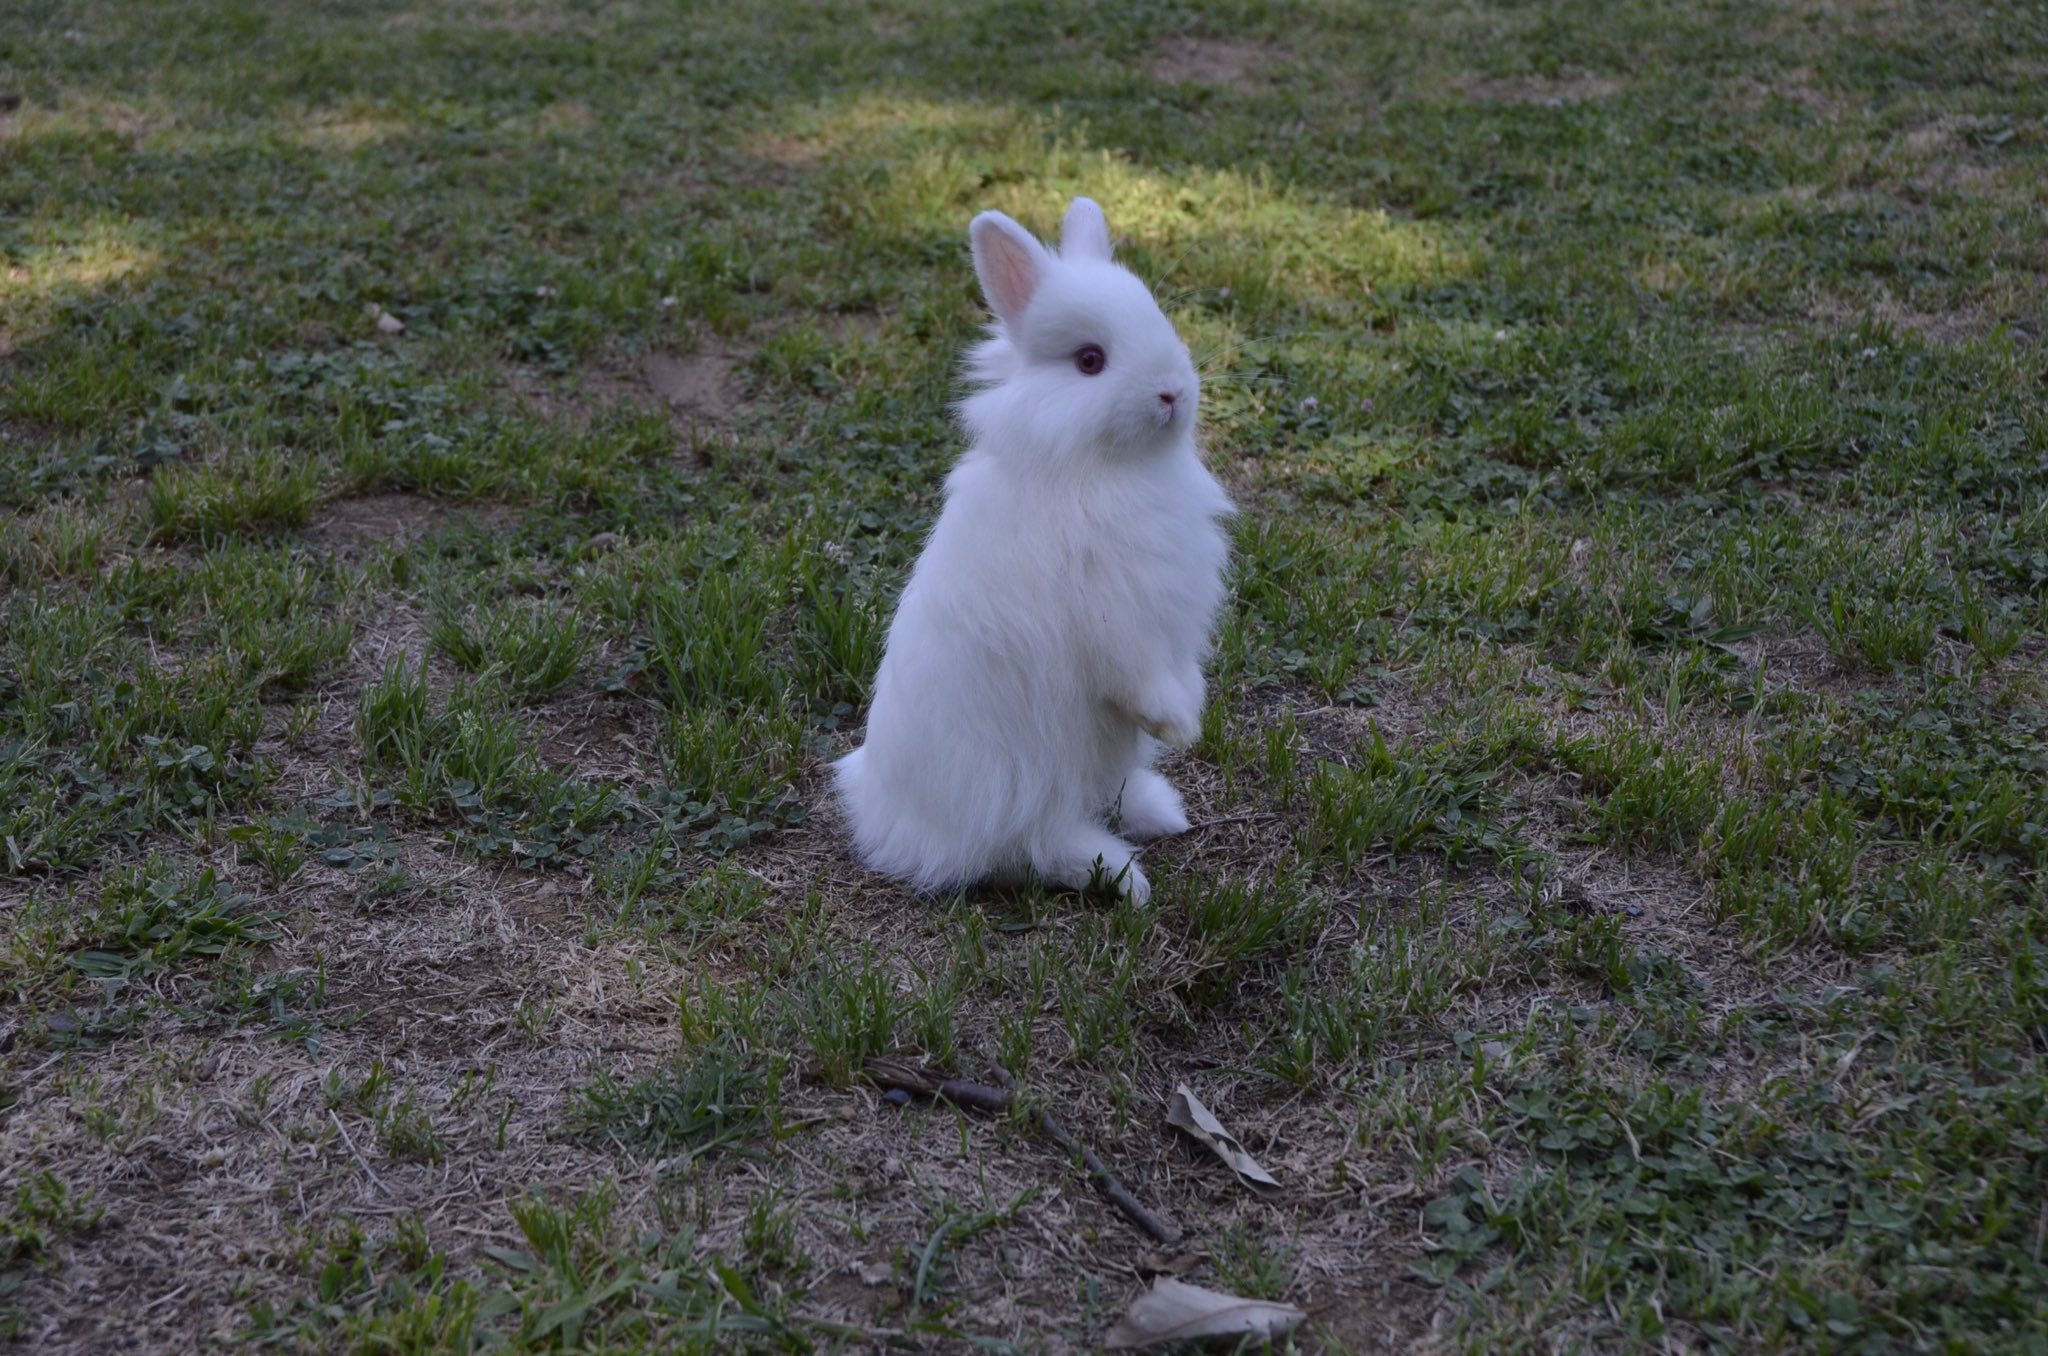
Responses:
[875,1273]
[1166,1264]
[1184,1111]
[1174,1311]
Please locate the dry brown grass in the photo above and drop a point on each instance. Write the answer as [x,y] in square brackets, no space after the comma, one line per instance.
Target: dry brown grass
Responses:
[1231,63]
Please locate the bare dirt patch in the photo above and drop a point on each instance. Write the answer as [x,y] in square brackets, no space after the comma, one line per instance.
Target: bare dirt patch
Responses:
[699,391]
[1801,85]
[397,520]
[793,153]
[1947,327]
[600,737]
[1962,153]
[90,113]
[577,400]
[1228,63]
[2013,300]
[394,630]
[334,132]
[566,115]
[698,387]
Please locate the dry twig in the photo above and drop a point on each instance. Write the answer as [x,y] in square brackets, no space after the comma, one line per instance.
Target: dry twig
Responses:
[961,1092]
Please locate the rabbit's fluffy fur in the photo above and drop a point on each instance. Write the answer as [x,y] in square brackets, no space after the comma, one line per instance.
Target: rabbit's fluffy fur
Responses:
[1053,631]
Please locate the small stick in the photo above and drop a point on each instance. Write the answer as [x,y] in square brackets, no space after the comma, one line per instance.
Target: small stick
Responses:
[979,1096]
[1119,1195]
[908,1077]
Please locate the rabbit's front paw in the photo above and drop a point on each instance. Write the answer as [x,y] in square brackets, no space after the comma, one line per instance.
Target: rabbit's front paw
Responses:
[1172,711]
[1095,859]
[1171,735]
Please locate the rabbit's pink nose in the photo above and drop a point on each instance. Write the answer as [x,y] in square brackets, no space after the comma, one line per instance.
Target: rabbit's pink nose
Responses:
[1167,398]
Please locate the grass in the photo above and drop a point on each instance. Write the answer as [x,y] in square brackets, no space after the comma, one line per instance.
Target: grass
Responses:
[456,466]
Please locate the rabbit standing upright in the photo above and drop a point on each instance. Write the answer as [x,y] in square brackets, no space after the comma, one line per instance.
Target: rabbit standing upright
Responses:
[1053,630]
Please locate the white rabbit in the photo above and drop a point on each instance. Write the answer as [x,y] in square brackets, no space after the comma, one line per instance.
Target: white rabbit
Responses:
[1053,631]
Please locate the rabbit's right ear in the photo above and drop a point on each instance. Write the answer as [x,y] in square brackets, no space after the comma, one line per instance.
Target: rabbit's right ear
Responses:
[1009,262]
[1085,232]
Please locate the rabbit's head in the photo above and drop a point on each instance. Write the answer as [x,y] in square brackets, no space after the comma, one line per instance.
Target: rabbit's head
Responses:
[1081,360]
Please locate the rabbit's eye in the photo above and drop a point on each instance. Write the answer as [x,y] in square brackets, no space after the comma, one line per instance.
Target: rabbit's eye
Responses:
[1090,359]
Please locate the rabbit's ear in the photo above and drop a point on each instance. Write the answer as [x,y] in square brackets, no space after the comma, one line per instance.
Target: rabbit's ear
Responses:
[1010,263]
[1085,232]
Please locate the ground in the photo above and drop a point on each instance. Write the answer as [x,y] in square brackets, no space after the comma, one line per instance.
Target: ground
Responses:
[456,463]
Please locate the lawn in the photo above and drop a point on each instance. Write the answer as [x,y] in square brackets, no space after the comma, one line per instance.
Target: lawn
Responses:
[456,462]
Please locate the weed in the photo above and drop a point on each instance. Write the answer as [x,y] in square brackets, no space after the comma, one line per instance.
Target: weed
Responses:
[1395,800]
[264,492]
[406,1130]
[531,651]
[715,1098]
[849,1009]
[155,916]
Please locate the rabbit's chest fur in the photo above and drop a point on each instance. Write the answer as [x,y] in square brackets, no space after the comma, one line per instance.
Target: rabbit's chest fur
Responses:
[1069,576]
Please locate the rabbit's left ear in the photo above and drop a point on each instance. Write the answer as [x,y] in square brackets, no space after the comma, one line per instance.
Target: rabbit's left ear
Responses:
[1085,232]
[1010,262]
